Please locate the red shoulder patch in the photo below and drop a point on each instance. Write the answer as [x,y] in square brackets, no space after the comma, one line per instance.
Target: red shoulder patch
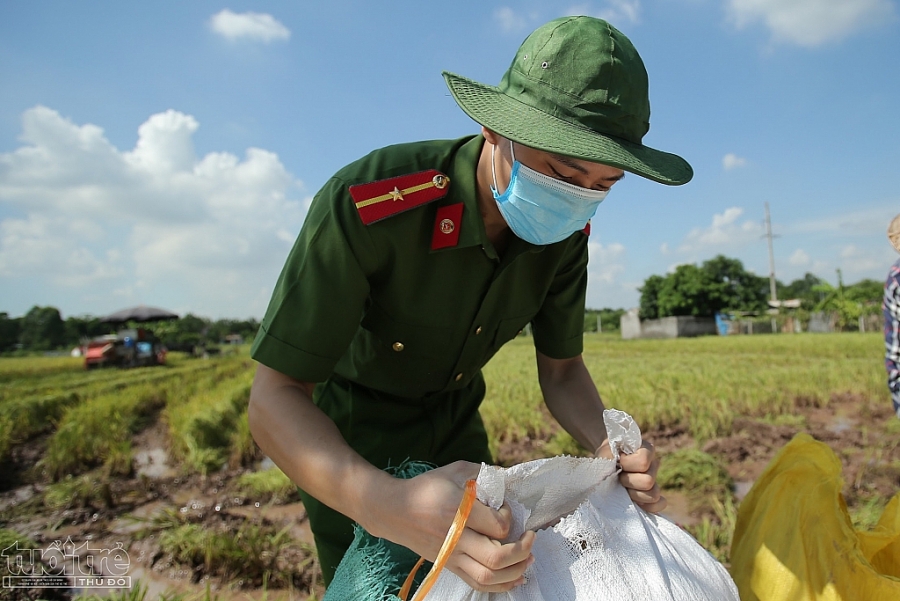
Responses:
[382,199]
[447,224]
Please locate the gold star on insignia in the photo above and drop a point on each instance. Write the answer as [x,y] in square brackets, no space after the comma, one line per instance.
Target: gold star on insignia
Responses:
[396,194]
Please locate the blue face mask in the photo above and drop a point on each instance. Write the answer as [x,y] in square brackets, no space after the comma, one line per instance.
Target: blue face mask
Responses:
[540,209]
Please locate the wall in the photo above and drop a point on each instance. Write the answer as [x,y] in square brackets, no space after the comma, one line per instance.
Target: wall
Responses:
[667,327]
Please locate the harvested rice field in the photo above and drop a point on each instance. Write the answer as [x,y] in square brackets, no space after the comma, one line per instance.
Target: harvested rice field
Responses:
[152,472]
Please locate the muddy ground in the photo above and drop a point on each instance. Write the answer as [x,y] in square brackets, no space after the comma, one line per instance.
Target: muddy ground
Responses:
[134,511]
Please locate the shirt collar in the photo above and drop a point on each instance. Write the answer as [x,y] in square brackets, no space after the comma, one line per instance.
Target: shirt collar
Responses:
[464,188]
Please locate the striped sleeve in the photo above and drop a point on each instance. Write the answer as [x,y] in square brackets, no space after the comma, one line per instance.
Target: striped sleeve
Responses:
[891,308]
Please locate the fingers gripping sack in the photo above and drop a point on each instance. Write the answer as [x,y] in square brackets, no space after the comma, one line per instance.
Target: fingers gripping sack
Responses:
[592,542]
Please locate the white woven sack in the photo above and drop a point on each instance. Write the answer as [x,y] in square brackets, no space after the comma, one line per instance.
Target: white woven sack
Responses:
[593,543]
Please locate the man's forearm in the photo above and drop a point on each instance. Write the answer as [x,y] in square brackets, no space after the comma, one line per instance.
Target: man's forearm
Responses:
[307,446]
[572,398]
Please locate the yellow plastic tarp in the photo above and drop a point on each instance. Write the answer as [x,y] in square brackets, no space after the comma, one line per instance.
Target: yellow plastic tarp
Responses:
[794,540]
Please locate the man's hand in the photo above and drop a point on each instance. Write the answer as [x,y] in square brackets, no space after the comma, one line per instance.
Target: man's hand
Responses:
[639,475]
[417,514]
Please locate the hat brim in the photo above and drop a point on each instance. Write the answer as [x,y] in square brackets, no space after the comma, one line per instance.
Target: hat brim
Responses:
[524,124]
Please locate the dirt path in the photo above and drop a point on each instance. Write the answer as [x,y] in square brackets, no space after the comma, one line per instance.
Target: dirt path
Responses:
[134,513]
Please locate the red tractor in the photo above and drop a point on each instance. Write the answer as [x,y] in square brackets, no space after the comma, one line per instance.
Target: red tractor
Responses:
[128,348]
[135,347]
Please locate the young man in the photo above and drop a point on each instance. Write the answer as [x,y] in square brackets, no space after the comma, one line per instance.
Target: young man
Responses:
[891,309]
[416,264]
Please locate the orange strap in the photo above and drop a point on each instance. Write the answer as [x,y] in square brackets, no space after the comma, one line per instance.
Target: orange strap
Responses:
[456,530]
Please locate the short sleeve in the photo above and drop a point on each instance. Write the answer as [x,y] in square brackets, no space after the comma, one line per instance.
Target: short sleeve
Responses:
[320,296]
[892,333]
[558,327]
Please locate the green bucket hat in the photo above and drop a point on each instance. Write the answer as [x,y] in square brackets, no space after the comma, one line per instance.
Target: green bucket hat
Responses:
[577,87]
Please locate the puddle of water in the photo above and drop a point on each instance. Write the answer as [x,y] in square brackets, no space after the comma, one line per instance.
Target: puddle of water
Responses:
[678,508]
[292,513]
[153,463]
[741,488]
[841,424]
[188,497]
[17,496]
[137,519]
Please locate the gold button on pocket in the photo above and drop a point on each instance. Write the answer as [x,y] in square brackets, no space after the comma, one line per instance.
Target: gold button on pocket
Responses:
[398,346]
[478,330]
[458,377]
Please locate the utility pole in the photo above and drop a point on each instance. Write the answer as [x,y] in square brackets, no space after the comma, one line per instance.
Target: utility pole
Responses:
[772,291]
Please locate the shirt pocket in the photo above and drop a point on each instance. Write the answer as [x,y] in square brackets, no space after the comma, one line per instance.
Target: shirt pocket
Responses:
[407,360]
[507,329]
[400,338]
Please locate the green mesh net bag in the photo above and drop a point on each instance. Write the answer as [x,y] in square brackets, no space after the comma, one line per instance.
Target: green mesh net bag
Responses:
[374,569]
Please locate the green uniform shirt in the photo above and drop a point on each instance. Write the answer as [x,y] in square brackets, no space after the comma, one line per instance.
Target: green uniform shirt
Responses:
[350,292]
[397,333]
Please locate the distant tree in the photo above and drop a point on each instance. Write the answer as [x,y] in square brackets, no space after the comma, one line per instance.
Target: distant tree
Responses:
[807,289]
[650,296]
[689,290]
[9,331]
[183,334]
[609,319]
[223,327]
[718,284]
[192,324]
[733,287]
[849,303]
[866,292]
[42,329]
[85,327]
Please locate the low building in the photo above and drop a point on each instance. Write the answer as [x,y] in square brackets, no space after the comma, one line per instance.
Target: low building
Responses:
[682,326]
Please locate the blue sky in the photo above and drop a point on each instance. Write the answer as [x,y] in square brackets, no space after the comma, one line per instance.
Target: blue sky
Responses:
[165,153]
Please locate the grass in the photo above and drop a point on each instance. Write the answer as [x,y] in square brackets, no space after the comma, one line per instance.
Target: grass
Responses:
[92,423]
[692,470]
[701,385]
[36,403]
[865,516]
[89,490]
[99,431]
[270,484]
[252,555]
[714,533]
[207,426]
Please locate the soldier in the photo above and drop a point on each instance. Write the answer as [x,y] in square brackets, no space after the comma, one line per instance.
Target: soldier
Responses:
[416,264]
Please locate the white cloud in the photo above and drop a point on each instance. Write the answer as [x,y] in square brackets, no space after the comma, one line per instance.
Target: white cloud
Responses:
[251,26]
[79,213]
[810,23]
[856,262]
[872,221]
[799,258]
[731,161]
[664,248]
[850,252]
[606,265]
[605,261]
[725,232]
[614,11]
[510,20]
